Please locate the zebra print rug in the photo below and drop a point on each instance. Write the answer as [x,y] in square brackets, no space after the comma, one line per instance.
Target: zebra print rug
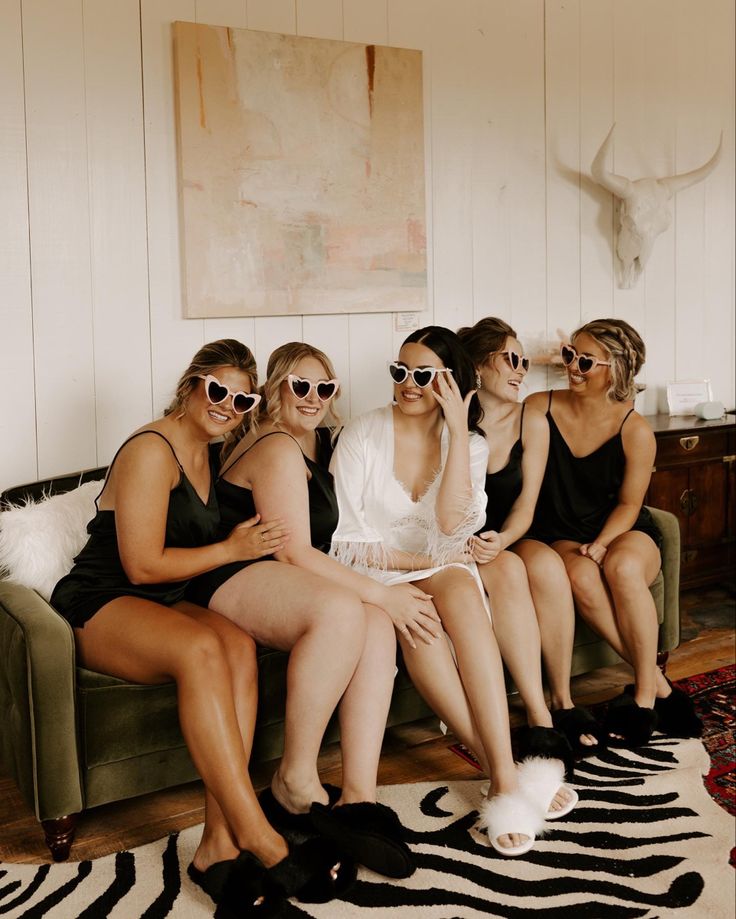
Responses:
[645,840]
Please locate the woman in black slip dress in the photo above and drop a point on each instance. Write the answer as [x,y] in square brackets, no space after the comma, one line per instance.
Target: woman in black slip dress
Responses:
[526,582]
[590,511]
[335,623]
[157,527]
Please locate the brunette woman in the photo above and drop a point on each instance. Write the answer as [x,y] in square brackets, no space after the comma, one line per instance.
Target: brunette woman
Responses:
[525,580]
[409,481]
[156,528]
[336,623]
[590,511]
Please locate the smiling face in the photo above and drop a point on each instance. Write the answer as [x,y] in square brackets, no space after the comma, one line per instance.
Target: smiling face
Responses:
[300,415]
[498,378]
[410,398]
[596,380]
[220,418]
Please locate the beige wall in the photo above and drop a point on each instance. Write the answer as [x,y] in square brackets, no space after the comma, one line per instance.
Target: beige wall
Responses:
[518,96]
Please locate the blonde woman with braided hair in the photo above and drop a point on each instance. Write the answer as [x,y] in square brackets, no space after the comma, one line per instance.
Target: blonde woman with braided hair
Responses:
[590,511]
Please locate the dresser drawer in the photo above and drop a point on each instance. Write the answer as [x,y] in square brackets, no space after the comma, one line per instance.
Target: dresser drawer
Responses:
[692,447]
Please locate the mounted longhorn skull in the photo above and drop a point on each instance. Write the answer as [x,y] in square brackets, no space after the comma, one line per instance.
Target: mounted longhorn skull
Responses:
[643,211]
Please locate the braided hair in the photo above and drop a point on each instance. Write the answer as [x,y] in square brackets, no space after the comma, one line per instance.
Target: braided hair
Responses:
[626,350]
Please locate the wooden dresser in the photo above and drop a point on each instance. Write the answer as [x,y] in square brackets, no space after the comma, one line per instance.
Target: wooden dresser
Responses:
[695,478]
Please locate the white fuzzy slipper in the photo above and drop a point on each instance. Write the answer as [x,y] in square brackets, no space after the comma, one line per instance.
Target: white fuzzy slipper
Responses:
[540,779]
[511,813]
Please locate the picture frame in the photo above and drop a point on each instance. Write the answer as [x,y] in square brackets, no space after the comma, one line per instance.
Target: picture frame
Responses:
[684,395]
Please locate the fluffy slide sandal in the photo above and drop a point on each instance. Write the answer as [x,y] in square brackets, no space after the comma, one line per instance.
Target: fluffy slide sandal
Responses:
[511,813]
[575,721]
[549,743]
[677,714]
[313,872]
[539,780]
[240,887]
[294,824]
[633,724]
[370,833]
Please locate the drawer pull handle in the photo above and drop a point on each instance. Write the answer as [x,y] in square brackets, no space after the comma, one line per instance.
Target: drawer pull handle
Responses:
[689,443]
[685,502]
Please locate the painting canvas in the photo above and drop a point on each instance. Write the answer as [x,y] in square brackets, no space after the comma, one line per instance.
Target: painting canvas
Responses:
[301,174]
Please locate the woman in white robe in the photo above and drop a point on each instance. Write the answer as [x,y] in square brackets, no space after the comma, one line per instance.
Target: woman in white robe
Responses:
[410,482]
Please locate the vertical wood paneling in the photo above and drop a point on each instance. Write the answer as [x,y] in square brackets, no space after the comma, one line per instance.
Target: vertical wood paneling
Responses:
[518,97]
[60,234]
[562,30]
[455,49]
[369,336]
[173,339]
[119,262]
[410,27]
[720,314]
[17,402]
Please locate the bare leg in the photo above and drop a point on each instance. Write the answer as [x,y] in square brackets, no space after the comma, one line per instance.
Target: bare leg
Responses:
[555,610]
[147,643]
[596,606]
[517,631]
[323,627]
[364,709]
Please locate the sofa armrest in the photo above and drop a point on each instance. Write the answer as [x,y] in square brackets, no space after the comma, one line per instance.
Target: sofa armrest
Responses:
[38,702]
[669,631]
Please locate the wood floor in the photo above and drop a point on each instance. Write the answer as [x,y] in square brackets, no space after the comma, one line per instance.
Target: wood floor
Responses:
[416,752]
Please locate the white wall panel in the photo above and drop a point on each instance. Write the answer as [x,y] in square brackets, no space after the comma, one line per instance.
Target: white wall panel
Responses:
[58,199]
[117,202]
[17,396]
[518,97]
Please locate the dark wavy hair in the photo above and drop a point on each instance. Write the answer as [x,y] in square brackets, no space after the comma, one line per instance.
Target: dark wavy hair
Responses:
[449,349]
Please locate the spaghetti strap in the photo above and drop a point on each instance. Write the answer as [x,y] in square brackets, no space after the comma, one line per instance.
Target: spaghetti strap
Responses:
[521,419]
[624,421]
[549,403]
[123,444]
[255,443]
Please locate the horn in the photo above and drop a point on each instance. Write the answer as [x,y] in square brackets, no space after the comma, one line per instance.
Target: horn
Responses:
[618,185]
[676,183]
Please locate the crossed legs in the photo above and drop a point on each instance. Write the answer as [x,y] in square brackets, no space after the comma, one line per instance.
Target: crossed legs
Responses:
[145,642]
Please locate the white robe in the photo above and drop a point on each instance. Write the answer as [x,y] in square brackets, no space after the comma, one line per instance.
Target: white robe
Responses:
[378,514]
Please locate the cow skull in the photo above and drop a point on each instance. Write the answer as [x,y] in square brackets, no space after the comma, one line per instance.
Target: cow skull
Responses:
[643,211]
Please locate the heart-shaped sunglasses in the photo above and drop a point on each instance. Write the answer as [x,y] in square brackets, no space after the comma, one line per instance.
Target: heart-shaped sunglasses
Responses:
[301,388]
[217,392]
[514,360]
[585,363]
[421,376]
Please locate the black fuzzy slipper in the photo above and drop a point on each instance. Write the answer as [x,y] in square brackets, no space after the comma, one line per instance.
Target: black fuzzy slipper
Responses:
[240,887]
[371,833]
[634,724]
[314,872]
[294,824]
[549,743]
[677,714]
[213,879]
[575,721]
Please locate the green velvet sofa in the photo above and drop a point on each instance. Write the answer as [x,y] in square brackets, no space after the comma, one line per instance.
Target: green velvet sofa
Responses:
[74,739]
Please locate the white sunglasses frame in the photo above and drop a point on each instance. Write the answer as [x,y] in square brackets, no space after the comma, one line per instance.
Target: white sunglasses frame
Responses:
[576,359]
[312,387]
[249,395]
[410,373]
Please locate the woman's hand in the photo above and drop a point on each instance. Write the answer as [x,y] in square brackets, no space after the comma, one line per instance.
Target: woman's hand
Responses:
[251,539]
[412,613]
[486,547]
[454,407]
[594,551]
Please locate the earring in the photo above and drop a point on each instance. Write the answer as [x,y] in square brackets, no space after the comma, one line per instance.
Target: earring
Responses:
[478,381]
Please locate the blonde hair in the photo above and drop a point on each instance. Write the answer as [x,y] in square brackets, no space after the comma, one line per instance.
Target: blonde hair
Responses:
[226,352]
[626,351]
[280,364]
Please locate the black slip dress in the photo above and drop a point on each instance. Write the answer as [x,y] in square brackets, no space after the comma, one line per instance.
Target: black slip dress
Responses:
[504,487]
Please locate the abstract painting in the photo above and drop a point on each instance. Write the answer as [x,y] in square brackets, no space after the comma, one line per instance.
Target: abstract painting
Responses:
[301,174]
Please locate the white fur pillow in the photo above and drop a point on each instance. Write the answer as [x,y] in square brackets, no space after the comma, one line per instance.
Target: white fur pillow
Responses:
[39,539]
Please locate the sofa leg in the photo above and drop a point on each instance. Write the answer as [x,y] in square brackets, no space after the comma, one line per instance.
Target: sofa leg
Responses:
[59,835]
[662,658]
